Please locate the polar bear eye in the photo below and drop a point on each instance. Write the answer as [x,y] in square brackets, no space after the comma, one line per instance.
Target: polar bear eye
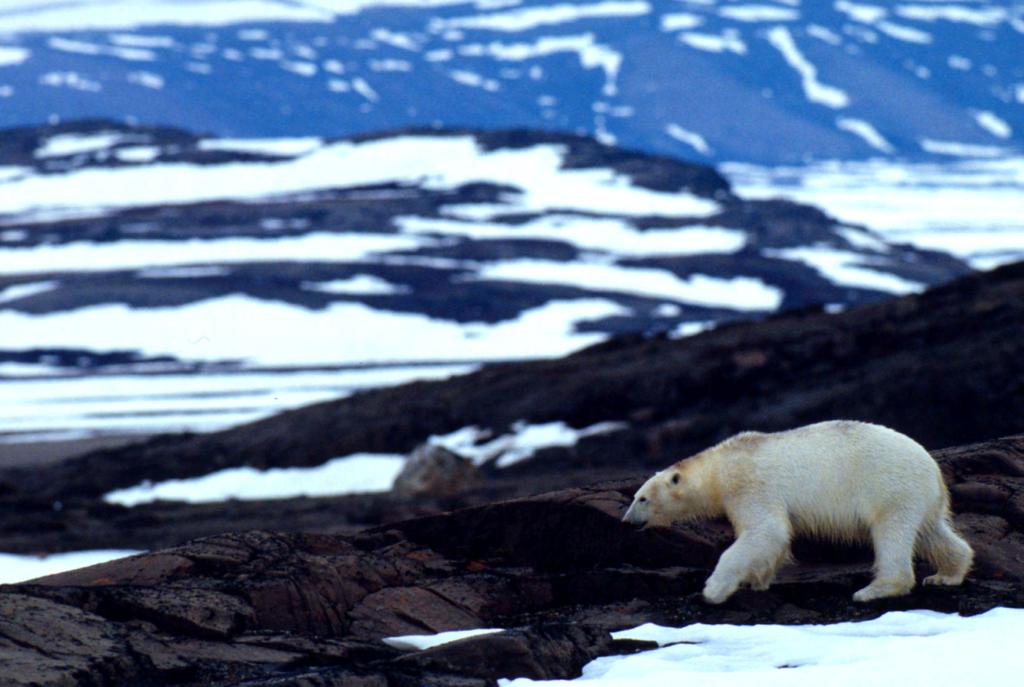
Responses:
[643,499]
[675,478]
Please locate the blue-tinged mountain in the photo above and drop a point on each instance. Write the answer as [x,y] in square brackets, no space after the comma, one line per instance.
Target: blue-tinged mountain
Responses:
[775,81]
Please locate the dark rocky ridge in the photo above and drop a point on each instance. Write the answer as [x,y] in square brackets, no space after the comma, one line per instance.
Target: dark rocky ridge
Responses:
[558,570]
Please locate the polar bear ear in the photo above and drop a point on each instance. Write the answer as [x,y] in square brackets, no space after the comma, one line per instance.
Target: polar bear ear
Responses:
[675,478]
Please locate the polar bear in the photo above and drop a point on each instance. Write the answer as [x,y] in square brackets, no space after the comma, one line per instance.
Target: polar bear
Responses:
[840,480]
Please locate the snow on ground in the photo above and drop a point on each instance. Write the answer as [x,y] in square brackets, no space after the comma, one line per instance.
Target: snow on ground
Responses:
[973,209]
[358,473]
[737,293]
[360,284]
[727,41]
[146,255]
[529,18]
[815,91]
[608,235]
[363,472]
[521,443]
[17,568]
[690,138]
[845,268]
[22,16]
[421,642]
[37,405]
[25,290]
[75,144]
[436,162]
[285,147]
[342,333]
[900,647]
[866,132]
[12,55]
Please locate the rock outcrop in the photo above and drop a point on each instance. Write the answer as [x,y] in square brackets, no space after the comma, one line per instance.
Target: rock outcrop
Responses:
[435,471]
[558,571]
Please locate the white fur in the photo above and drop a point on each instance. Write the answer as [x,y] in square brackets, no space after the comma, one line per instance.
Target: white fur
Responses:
[839,480]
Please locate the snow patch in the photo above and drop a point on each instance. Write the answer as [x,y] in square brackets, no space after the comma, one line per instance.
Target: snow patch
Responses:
[737,293]
[759,13]
[680,21]
[11,55]
[64,145]
[421,642]
[866,132]
[907,34]
[614,236]
[354,474]
[844,268]
[18,291]
[132,54]
[17,568]
[916,647]
[993,124]
[957,149]
[292,336]
[139,254]
[277,147]
[959,14]
[146,80]
[591,54]
[690,138]
[72,80]
[529,18]
[727,41]
[360,284]
[518,445]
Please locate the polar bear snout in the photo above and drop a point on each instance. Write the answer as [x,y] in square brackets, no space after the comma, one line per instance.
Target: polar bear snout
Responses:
[638,512]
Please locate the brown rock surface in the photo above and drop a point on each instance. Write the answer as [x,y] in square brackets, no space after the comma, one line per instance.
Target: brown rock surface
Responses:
[557,570]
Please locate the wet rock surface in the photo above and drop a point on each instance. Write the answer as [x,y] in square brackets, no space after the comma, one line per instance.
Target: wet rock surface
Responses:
[557,571]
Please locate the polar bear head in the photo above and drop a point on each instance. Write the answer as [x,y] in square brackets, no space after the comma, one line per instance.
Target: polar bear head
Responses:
[663,499]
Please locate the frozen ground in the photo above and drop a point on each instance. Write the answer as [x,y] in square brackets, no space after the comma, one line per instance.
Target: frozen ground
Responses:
[973,209]
[902,647]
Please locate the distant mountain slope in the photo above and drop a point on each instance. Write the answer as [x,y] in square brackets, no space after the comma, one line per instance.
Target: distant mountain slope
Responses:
[770,82]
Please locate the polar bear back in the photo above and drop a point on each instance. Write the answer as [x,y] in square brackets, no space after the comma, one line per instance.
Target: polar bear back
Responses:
[834,478]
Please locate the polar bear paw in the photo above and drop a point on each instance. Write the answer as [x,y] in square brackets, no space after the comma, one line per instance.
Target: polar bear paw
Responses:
[944,580]
[716,591]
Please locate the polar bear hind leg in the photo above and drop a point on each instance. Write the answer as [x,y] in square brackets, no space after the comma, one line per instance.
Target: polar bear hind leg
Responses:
[946,550]
[893,537]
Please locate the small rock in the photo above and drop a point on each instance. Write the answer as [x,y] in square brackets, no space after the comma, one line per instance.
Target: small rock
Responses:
[435,471]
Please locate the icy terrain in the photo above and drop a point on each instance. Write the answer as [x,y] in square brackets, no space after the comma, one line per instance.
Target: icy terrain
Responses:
[211,282]
[768,82]
[912,647]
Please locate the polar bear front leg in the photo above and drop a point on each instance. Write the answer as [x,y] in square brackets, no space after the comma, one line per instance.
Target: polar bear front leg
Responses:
[753,558]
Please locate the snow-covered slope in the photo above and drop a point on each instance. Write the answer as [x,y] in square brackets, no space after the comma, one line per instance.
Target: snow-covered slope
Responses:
[769,81]
[147,251]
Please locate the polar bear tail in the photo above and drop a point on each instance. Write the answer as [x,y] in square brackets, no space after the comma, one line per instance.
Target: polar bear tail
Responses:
[940,544]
